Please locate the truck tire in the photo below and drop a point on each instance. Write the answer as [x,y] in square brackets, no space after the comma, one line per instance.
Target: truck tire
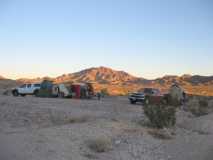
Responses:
[36,93]
[61,95]
[15,93]
[132,101]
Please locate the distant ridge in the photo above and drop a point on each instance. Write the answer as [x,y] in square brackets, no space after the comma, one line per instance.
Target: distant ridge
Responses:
[7,83]
[1,77]
[99,75]
[121,82]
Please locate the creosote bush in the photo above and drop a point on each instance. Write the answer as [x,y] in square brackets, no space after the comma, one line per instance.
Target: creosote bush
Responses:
[160,115]
[198,107]
[203,103]
[104,92]
[172,101]
[161,110]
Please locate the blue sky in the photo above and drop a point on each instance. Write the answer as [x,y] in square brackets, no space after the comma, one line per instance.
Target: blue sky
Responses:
[147,38]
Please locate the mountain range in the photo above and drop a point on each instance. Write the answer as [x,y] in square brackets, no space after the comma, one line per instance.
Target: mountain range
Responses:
[121,83]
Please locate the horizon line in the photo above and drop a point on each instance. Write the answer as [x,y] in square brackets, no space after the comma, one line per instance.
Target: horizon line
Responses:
[46,76]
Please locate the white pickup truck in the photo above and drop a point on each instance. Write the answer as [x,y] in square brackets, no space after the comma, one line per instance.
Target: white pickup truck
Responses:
[26,89]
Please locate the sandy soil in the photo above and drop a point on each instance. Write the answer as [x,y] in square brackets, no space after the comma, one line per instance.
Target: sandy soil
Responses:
[43,129]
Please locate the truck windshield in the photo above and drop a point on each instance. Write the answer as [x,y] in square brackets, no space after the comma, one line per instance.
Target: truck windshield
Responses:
[23,86]
[148,90]
[37,85]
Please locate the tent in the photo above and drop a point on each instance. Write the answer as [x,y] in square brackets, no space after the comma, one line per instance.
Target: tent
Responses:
[46,89]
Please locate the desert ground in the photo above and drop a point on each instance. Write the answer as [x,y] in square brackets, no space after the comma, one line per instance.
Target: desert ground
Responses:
[60,129]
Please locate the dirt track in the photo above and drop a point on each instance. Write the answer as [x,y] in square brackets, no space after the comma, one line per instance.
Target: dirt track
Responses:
[52,129]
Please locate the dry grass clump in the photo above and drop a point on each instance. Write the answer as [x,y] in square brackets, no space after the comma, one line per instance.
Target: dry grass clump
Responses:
[6,92]
[81,119]
[90,156]
[160,134]
[66,119]
[100,145]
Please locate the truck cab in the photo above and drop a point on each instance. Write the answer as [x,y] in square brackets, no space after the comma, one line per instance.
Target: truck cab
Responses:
[140,96]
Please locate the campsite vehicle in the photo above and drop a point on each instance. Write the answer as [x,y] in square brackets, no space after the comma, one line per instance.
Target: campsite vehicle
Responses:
[26,89]
[141,95]
[62,90]
[82,90]
[175,96]
[90,90]
[151,92]
[47,89]
[68,90]
[136,97]
[75,90]
[152,95]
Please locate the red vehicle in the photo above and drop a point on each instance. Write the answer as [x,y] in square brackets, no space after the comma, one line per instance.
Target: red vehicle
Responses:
[82,90]
[152,95]
[141,96]
[76,89]
[152,92]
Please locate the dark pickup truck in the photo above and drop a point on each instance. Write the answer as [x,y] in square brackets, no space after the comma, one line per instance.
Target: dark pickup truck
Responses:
[141,96]
[136,97]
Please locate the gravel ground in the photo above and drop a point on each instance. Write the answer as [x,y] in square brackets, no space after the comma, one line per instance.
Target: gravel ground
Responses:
[52,129]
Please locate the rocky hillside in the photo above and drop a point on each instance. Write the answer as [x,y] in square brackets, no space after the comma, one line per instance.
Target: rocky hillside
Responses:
[201,85]
[120,82]
[101,75]
[7,83]
[1,77]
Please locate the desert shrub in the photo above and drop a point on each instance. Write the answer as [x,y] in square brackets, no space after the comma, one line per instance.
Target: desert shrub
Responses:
[160,115]
[211,103]
[104,92]
[198,107]
[99,145]
[172,101]
[203,103]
